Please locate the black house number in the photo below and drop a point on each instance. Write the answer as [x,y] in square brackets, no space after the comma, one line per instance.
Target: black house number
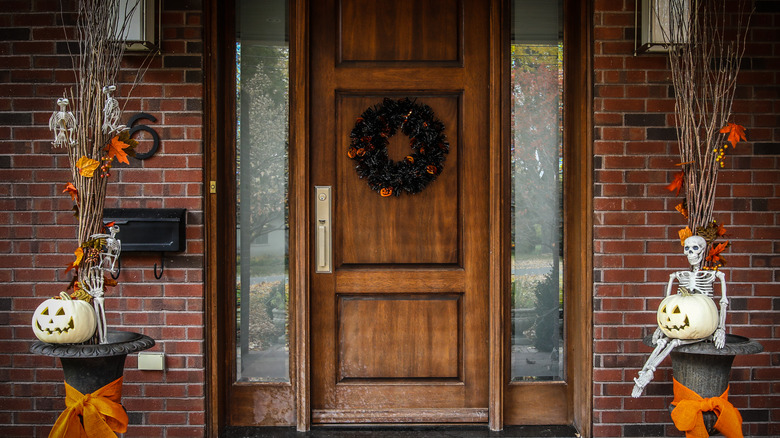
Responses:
[135,128]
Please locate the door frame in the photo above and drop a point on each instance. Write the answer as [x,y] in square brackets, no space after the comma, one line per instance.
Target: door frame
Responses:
[219,195]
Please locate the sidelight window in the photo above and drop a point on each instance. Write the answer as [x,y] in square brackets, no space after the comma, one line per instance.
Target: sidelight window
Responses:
[537,293]
[262,228]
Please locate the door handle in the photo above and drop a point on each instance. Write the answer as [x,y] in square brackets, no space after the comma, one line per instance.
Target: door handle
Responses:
[324,229]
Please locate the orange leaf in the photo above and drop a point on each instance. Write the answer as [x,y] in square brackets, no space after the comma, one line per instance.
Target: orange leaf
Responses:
[735,132]
[721,230]
[684,234]
[87,166]
[115,148]
[714,254]
[72,191]
[677,183]
[79,252]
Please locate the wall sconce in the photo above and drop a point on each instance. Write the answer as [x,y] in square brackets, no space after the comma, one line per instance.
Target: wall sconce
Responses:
[659,24]
[143,28]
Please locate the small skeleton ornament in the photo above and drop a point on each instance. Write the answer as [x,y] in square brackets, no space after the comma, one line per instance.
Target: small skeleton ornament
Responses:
[94,284]
[689,316]
[63,123]
[111,112]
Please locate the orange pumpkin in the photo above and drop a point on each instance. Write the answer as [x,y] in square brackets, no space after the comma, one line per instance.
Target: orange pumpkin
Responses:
[386,191]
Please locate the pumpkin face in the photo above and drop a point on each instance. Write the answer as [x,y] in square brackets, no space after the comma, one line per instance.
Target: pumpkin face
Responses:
[64,321]
[687,316]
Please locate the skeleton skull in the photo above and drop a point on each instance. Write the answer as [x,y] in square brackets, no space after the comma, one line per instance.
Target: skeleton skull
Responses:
[694,249]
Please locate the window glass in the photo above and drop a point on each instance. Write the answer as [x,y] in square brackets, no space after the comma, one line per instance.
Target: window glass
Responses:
[262,231]
[537,292]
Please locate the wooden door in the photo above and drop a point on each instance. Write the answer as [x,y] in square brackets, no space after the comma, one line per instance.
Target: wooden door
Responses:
[399,327]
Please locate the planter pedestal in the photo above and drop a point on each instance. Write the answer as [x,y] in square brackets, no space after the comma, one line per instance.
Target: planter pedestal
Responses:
[90,367]
[705,369]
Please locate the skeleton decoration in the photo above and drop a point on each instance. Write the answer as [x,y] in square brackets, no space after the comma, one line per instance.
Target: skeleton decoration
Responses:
[63,124]
[111,112]
[675,324]
[95,281]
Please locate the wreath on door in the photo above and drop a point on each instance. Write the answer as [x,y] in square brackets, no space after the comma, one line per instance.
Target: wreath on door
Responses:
[370,137]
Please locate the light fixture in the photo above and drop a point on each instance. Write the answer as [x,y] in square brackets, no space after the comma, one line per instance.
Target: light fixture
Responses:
[659,24]
[142,32]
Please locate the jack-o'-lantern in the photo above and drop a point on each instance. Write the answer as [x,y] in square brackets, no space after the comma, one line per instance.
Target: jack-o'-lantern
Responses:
[687,316]
[64,320]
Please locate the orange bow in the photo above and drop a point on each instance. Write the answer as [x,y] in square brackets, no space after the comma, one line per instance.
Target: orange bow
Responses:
[687,415]
[101,412]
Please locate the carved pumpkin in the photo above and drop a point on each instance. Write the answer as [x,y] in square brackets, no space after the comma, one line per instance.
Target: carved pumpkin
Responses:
[687,316]
[386,191]
[64,321]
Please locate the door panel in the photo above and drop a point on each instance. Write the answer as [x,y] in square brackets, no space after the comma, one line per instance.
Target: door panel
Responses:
[419,229]
[399,328]
[400,31]
[410,336]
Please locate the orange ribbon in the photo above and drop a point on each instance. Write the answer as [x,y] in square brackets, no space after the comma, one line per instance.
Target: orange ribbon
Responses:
[687,414]
[100,411]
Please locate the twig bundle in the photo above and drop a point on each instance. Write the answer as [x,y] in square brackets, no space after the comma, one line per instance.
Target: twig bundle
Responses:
[100,27]
[704,75]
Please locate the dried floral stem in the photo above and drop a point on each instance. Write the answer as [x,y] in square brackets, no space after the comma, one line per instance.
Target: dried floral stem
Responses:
[95,66]
[704,74]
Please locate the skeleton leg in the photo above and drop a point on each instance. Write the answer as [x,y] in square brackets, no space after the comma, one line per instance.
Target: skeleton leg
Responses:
[662,349]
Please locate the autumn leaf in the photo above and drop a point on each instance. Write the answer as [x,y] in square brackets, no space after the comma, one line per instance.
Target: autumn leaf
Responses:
[72,191]
[684,234]
[714,254]
[677,183]
[79,252]
[682,208]
[115,149]
[87,166]
[735,132]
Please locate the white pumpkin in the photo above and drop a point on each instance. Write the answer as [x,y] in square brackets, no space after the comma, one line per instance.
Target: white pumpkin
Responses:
[687,316]
[64,320]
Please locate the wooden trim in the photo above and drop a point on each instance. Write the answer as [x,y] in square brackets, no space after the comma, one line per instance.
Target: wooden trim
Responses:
[299,211]
[499,210]
[215,394]
[341,416]
[579,214]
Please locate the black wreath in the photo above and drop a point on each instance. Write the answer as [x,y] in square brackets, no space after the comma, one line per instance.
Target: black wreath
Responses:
[369,140]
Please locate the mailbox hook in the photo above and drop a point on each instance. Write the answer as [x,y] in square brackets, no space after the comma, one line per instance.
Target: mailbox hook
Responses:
[162,266]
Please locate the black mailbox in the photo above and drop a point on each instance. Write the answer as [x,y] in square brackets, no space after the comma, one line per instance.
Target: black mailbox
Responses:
[149,229]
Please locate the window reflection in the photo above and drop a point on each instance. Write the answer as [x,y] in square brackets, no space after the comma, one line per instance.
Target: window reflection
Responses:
[537,165]
[262,283]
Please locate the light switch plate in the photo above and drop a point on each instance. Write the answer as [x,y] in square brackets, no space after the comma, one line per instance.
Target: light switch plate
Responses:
[151,361]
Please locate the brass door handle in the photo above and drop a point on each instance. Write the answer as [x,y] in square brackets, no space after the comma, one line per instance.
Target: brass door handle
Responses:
[324,233]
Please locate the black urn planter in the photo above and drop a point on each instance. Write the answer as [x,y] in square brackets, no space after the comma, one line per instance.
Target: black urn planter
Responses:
[91,367]
[706,369]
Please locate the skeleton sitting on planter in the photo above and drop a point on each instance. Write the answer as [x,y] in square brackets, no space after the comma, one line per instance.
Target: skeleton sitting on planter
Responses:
[675,325]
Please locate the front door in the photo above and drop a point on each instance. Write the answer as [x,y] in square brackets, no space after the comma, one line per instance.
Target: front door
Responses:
[399,291]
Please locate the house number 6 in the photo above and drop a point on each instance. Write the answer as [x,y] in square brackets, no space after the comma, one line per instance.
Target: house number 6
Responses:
[135,128]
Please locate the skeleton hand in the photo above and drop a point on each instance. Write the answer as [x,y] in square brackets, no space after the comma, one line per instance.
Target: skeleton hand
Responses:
[658,334]
[719,338]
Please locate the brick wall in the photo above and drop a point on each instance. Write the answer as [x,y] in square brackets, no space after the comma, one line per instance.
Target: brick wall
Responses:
[37,229]
[636,244]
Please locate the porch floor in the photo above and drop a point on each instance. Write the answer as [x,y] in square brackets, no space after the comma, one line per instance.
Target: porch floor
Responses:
[444,431]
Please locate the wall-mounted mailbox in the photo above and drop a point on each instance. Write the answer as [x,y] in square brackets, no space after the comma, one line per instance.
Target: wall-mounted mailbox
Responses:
[149,229]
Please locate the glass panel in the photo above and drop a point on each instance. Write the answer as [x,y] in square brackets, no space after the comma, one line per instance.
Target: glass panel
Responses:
[537,165]
[262,283]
